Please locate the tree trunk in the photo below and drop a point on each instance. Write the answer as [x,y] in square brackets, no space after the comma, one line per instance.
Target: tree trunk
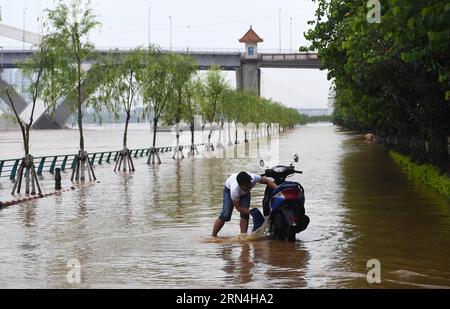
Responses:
[192,128]
[155,127]
[80,129]
[125,134]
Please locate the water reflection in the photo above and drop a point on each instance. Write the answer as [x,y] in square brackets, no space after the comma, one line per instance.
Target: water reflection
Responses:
[397,224]
[272,264]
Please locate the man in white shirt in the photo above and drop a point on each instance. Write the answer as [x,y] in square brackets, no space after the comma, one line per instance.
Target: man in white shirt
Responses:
[237,194]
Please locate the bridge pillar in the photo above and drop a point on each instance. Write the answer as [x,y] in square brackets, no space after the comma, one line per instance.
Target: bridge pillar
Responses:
[248,77]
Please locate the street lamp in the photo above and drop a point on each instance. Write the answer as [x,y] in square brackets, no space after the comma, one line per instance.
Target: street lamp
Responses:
[290,36]
[23,33]
[171,33]
[1,62]
[188,37]
[149,26]
[279,29]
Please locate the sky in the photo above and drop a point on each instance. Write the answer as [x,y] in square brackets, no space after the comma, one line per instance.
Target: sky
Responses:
[200,25]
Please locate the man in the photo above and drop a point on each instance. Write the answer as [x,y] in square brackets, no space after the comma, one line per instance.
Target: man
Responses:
[369,138]
[237,194]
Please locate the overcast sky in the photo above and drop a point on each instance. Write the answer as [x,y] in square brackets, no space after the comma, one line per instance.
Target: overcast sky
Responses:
[200,24]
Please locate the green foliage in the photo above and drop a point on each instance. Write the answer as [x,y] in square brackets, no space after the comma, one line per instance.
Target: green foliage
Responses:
[67,43]
[426,174]
[391,78]
[180,102]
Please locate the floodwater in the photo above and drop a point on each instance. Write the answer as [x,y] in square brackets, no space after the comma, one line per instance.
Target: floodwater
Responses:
[150,229]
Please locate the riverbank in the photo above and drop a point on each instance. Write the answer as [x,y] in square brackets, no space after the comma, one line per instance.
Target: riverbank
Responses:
[426,174]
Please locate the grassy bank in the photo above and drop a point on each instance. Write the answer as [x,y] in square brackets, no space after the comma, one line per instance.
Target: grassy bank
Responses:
[426,174]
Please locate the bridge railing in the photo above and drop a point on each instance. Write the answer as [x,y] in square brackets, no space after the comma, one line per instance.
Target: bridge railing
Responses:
[283,57]
[48,164]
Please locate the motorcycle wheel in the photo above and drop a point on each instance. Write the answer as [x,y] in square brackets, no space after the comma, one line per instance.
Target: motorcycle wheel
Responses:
[290,235]
[279,227]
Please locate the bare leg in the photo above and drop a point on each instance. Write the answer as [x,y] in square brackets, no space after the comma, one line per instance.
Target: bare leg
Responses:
[244,225]
[217,227]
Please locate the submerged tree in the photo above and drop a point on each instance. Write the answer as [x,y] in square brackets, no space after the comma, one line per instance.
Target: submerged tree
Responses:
[193,94]
[183,70]
[70,77]
[156,79]
[214,87]
[33,69]
[119,92]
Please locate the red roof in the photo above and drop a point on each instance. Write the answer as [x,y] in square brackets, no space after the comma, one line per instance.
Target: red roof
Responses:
[251,37]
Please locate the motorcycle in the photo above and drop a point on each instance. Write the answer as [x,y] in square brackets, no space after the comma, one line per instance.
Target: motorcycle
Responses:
[284,206]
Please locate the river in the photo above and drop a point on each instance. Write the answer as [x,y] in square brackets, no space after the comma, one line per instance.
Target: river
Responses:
[150,229]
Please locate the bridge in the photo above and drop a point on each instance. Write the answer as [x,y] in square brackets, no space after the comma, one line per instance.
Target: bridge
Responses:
[247,65]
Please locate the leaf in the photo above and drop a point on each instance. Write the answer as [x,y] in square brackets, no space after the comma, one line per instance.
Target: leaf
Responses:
[411,23]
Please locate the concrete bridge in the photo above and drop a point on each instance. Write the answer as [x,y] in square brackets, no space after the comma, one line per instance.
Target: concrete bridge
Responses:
[247,65]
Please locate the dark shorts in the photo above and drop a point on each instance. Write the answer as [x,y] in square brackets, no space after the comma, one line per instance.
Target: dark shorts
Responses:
[227,208]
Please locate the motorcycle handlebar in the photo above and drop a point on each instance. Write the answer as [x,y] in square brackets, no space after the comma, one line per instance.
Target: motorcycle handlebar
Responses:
[296,172]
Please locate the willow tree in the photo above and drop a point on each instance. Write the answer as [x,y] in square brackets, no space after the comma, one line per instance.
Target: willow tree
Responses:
[70,77]
[183,68]
[229,110]
[157,83]
[215,85]
[193,94]
[223,112]
[33,70]
[119,92]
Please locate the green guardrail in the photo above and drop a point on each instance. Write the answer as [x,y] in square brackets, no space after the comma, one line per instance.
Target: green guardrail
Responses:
[48,164]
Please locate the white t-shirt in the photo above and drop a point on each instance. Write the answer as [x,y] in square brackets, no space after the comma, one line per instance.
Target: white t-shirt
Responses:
[236,191]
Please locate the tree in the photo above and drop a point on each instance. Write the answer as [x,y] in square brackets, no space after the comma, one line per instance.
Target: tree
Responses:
[229,110]
[183,67]
[119,92]
[214,87]
[34,70]
[224,111]
[157,83]
[69,77]
[191,109]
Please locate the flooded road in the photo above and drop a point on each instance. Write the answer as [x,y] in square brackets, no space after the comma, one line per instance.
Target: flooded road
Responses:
[151,229]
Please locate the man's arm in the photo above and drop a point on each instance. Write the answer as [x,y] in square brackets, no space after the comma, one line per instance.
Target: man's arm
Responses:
[270,183]
[238,207]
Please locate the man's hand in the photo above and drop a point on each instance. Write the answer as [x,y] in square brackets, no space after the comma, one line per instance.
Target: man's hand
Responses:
[270,183]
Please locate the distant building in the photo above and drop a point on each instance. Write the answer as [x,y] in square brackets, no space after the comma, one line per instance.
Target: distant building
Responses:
[251,40]
[315,111]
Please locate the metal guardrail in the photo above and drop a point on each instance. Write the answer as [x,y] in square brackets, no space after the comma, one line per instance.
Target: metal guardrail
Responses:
[48,164]
[292,57]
